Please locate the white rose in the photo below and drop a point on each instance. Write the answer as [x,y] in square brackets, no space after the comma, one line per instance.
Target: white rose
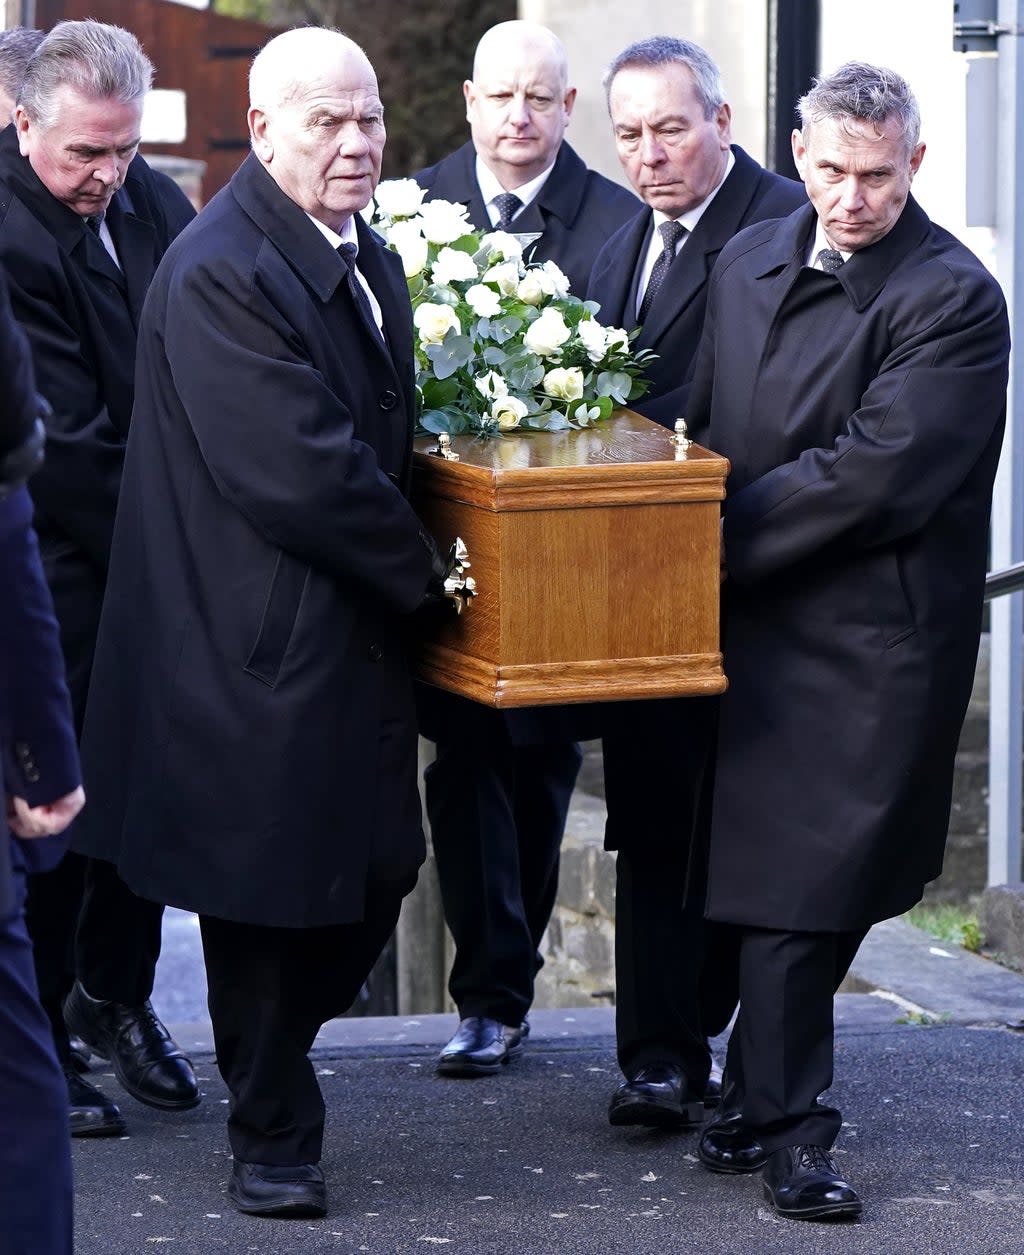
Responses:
[504,276]
[433,322]
[483,300]
[491,385]
[442,222]
[453,266]
[399,198]
[564,383]
[592,335]
[547,334]
[555,281]
[408,242]
[507,411]
[616,339]
[502,246]
[531,288]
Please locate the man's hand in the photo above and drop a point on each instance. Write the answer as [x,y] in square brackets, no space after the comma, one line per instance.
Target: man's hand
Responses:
[43,821]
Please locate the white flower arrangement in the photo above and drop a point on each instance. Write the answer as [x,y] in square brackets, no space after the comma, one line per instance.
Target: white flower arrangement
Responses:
[500,342]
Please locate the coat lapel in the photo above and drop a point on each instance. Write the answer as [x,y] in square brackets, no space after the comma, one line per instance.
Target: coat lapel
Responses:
[136,243]
[616,282]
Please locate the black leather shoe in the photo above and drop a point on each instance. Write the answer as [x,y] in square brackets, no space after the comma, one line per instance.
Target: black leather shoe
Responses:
[728,1145]
[90,1111]
[481,1046]
[144,1057]
[658,1097]
[713,1089]
[803,1182]
[293,1192]
[80,1055]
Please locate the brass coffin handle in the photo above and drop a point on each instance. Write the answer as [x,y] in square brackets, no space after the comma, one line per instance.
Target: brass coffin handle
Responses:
[458,586]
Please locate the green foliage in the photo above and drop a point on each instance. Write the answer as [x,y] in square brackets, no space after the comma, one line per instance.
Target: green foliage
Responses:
[948,922]
[422,51]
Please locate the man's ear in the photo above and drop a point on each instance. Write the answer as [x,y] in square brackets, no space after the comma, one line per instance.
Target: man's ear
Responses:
[259,131]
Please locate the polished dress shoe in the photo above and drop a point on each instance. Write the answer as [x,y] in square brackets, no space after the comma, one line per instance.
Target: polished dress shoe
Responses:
[80,1054]
[728,1145]
[144,1057]
[294,1191]
[657,1096]
[481,1046]
[90,1111]
[804,1183]
[713,1089]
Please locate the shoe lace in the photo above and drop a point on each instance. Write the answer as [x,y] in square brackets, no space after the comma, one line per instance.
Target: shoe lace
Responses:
[816,1159]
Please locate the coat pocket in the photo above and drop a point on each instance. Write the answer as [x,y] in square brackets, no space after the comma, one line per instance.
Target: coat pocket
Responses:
[893,607]
[278,622]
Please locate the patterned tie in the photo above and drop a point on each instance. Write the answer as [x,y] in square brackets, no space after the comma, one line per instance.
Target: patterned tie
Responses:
[94,223]
[347,253]
[508,205]
[829,260]
[671,234]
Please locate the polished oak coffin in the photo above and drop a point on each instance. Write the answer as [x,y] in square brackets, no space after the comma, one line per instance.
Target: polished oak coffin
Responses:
[596,560]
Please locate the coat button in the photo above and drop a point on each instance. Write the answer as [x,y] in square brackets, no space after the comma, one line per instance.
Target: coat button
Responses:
[375,653]
[388,400]
[26,762]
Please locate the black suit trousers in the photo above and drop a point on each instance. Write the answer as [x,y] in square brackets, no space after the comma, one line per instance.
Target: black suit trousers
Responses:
[781,1049]
[675,975]
[271,990]
[497,813]
[35,1152]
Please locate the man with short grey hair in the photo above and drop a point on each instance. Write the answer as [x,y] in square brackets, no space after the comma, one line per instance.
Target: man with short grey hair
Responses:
[17,45]
[83,224]
[853,369]
[672,127]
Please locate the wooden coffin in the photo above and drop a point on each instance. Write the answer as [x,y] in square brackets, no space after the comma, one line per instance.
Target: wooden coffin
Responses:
[596,560]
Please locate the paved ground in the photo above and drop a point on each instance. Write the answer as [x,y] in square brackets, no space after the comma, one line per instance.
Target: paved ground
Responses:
[526,1164]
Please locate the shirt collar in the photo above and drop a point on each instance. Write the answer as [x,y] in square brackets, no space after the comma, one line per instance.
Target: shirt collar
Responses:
[490,187]
[819,242]
[692,216]
[347,236]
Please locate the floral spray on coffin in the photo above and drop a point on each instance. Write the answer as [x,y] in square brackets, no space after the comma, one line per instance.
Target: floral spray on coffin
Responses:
[501,343]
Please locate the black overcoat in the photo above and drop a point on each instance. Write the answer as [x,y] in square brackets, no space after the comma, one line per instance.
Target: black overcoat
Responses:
[863,416]
[250,737]
[750,194]
[576,210]
[81,314]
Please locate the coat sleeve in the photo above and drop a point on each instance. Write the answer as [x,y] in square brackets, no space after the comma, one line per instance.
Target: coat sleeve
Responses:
[84,452]
[924,420]
[279,442]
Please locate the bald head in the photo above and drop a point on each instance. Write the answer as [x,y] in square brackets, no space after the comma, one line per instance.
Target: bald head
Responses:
[316,121]
[518,102]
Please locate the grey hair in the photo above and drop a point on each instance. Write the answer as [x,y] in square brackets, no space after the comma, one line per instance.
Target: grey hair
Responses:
[867,93]
[666,50]
[17,45]
[100,61]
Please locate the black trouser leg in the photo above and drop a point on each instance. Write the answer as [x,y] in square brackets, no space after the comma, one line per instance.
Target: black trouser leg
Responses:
[35,1150]
[117,943]
[54,901]
[497,813]
[782,1045]
[270,992]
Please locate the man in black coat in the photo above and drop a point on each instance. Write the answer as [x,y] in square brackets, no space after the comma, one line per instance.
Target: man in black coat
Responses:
[672,130]
[251,738]
[40,794]
[498,791]
[853,369]
[83,224]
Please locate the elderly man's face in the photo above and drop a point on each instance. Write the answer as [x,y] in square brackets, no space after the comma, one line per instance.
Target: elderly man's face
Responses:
[518,108]
[672,155]
[858,178]
[323,147]
[82,159]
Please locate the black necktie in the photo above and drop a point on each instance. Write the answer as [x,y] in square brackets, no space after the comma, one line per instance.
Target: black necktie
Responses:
[829,260]
[347,253]
[508,205]
[671,234]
